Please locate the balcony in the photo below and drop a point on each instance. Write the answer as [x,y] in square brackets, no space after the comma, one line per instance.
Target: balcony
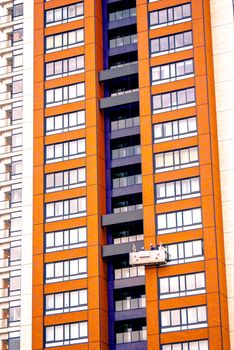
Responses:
[3,323]
[126,152]
[111,250]
[123,44]
[123,98]
[124,217]
[126,185]
[129,277]
[130,309]
[128,239]
[131,337]
[119,70]
[4,292]
[128,208]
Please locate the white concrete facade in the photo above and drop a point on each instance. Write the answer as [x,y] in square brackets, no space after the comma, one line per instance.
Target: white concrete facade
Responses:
[222,18]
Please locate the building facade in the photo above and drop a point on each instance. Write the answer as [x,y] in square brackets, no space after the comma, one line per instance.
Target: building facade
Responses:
[116,136]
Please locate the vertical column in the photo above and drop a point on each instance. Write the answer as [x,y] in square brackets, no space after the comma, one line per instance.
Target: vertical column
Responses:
[38,178]
[96,195]
[152,306]
[27,179]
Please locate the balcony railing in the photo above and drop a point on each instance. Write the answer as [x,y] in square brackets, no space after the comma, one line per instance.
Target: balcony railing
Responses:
[125,123]
[131,336]
[3,323]
[129,272]
[126,181]
[121,64]
[6,69]
[128,208]
[116,16]
[123,41]
[123,92]
[5,262]
[130,304]
[126,152]
[4,292]
[128,239]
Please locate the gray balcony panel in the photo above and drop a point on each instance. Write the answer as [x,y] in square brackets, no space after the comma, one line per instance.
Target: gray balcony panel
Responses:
[125,161]
[119,218]
[113,101]
[130,314]
[118,72]
[120,249]
[122,23]
[125,132]
[116,192]
[142,345]
[122,49]
[129,282]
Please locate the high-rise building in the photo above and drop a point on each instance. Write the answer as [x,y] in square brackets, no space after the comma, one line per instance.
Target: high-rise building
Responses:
[116,174]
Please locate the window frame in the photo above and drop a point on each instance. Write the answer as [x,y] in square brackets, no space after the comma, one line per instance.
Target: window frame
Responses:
[177,185]
[65,94]
[173,98]
[65,241]
[66,71]
[184,314]
[171,46]
[181,256]
[186,344]
[66,212]
[66,153]
[64,12]
[64,39]
[180,218]
[176,156]
[66,268]
[173,71]
[173,20]
[183,290]
[66,329]
[175,126]
[67,297]
[65,122]
[66,180]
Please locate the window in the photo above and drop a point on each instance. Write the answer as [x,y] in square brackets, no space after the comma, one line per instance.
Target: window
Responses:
[65,94]
[65,40]
[173,100]
[170,16]
[18,10]
[189,219]
[66,239]
[14,312]
[178,159]
[14,343]
[15,252]
[185,252]
[172,71]
[179,286]
[14,282]
[63,68]
[70,301]
[175,129]
[66,209]
[15,197]
[17,59]
[183,319]
[64,180]
[16,139]
[16,168]
[15,223]
[177,190]
[171,43]
[192,345]
[65,122]
[65,150]
[64,14]
[17,86]
[17,35]
[65,270]
[65,334]
[17,112]
[129,272]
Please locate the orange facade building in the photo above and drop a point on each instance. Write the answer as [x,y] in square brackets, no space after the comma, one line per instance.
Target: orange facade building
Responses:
[127,129]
